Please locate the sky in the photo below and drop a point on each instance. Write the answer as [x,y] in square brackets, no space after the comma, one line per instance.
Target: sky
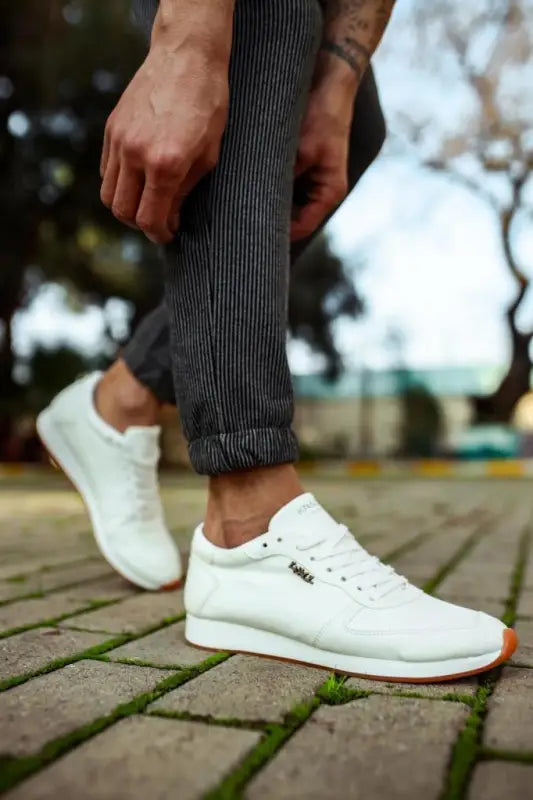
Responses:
[424,250]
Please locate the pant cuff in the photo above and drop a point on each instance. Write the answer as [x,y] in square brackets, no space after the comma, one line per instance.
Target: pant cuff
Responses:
[227,452]
[155,377]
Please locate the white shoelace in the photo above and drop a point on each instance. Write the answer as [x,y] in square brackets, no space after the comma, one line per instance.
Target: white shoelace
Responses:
[146,492]
[346,556]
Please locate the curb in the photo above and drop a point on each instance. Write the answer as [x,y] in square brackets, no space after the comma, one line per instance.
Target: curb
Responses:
[423,468]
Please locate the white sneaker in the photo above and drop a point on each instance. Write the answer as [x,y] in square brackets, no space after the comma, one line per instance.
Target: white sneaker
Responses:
[306,591]
[116,475]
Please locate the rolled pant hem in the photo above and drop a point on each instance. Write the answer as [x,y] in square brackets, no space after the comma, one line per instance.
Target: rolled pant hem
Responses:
[228,452]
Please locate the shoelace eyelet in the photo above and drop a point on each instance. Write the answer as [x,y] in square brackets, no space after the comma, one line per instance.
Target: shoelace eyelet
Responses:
[265,544]
[343,578]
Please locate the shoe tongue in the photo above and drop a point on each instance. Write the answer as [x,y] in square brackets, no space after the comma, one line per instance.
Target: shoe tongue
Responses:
[143,443]
[303,514]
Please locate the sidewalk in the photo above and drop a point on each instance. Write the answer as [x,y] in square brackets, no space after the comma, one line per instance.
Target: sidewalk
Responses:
[102,699]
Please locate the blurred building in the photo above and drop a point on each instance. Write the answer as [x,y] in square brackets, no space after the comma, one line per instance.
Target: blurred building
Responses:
[367,413]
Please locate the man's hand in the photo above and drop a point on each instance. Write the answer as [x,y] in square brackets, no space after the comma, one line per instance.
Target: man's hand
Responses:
[322,159]
[165,131]
[352,31]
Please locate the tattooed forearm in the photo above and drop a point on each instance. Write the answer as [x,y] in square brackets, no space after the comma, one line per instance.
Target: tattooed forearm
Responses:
[353,29]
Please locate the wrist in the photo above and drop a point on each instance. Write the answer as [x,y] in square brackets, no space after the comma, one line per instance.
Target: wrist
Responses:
[334,73]
[205,27]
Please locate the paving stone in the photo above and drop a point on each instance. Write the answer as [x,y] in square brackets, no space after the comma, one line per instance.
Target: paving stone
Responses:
[143,757]
[166,647]
[524,654]
[488,585]
[29,612]
[53,579]
[132,615]
[245,687]
[509,723]
[31,650]
[497,779]
[378,747]
[24,564]
[108,587]
[54,704]
[525,603]
[465,686]
[490,606]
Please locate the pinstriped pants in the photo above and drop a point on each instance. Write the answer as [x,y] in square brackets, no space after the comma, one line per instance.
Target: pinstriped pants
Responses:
[217,345]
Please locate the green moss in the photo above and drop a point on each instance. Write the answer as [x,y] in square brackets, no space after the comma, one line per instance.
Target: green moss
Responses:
[90,605]
[13,770]
[468,750]
[406,547]
[275,736]
[517,579]
[97,652]
[51,666]
[208,719]
[516,756]
[457,557]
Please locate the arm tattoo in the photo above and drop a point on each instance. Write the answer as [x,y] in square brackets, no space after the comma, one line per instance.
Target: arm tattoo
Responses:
[353,29]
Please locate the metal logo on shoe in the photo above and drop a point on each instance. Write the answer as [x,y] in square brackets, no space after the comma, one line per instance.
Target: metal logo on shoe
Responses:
[301,572]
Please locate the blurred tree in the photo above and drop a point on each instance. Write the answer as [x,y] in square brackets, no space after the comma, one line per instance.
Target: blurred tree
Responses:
[484,49]
[63,65]
[321,291]
[421,424]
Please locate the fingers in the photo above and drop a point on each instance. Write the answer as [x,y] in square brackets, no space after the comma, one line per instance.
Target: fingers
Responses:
[322,200]
[105,150]
[145,189]
[110,177]
[158,209]
[128,191]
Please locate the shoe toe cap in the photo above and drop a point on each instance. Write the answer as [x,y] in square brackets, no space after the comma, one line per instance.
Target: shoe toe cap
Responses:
[151,565]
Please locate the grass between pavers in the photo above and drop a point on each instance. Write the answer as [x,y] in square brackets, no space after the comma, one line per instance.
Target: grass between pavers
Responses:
[468,749]
[96,652]
[515,756]
[333,692]
[38,593]
[23,576]
[225,722]
[448,567]
[409,545]
[91,605]
[276,734]
[13,769]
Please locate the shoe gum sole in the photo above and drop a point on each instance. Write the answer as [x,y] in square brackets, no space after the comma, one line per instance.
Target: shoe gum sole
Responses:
[510,643]
[57,465]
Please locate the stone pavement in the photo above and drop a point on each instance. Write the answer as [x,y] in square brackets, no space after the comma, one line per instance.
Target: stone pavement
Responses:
[102,699]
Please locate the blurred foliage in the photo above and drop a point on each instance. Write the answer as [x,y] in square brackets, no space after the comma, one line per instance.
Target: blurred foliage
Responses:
[320,293]
[421,425]
[485,51]
[63,66]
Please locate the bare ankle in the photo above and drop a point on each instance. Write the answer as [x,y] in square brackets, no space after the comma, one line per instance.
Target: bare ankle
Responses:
[241,504]
[122,401]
